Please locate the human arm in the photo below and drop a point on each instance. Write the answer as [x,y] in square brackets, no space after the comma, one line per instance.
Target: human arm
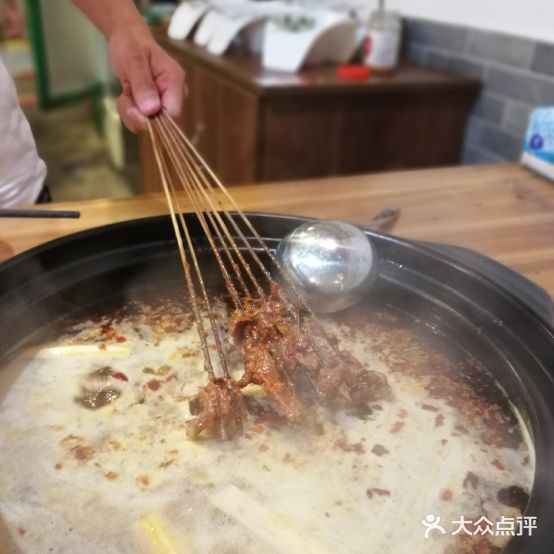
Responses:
[151,80]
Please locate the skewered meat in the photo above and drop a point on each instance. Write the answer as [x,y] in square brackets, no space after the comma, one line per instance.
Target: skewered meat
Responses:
[261,367]
[266,320]
[220,411]
[297,353]
[343,382]
[260,329]
[278,356]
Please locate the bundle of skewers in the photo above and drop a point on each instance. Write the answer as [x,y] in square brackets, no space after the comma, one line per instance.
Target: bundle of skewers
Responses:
[285,349]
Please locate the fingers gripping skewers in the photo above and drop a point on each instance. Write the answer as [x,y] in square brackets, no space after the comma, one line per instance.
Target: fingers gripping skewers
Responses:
[285,350]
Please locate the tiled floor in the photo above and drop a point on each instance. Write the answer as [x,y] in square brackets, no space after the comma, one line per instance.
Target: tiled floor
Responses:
[78,163]
[79,166]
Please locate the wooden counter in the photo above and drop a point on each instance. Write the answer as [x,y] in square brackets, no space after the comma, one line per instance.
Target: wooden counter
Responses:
[256,125]
[503,211]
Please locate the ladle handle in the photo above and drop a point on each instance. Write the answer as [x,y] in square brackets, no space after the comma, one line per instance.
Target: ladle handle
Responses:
[383,219]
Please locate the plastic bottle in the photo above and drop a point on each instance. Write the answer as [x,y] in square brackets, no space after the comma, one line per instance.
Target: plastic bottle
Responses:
[382,44]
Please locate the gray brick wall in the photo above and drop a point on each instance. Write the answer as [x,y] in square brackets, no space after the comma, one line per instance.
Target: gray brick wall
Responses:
[517,76]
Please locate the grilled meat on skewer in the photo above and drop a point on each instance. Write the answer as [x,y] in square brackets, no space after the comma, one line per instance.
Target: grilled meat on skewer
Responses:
[219,409]
[262,368]
[279,357]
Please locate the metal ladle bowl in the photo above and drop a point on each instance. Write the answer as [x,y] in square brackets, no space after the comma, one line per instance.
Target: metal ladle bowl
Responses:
[331,264]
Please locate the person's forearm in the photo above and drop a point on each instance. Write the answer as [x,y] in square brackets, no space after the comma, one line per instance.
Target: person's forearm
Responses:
[108,15]
[151,81]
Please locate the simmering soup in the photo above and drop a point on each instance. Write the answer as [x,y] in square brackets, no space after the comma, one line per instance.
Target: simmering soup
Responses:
[94,453]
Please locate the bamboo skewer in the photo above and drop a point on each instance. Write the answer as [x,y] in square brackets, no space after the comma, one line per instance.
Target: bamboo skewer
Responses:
[182,167]
[208,366]
[190,151]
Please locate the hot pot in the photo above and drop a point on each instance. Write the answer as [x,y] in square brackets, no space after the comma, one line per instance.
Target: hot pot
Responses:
[489,311]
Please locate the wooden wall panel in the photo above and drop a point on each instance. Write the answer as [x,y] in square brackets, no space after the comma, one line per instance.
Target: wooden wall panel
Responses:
[221,120]
[314,137]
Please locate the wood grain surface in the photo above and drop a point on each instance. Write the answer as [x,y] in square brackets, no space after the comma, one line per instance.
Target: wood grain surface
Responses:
[503,211]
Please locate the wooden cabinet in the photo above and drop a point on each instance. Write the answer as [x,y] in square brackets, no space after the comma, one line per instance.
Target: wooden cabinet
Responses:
[228,148]
[255,125]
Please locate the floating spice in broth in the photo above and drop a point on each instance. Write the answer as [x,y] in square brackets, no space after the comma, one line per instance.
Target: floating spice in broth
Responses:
[96,399]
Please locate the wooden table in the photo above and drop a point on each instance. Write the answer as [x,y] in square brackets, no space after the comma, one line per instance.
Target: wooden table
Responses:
[503,211]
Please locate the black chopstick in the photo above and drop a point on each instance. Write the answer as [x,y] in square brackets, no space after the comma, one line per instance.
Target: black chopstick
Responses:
[40,214]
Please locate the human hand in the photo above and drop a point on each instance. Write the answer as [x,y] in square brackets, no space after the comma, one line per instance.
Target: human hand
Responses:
[151,80]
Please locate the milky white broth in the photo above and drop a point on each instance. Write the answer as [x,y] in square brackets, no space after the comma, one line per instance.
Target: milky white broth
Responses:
[77,481]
